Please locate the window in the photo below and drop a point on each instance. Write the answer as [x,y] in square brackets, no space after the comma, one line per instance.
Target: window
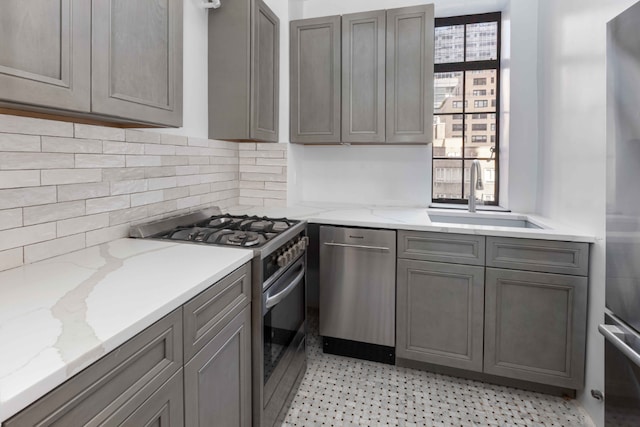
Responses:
[467,66]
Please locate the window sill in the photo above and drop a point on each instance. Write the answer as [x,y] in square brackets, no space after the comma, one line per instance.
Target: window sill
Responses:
[458,207]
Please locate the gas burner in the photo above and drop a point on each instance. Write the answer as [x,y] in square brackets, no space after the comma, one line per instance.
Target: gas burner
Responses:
[244,238]
[217,222]
[193,234]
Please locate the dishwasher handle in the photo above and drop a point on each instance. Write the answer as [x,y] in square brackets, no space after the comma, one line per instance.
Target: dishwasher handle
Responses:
[347,245]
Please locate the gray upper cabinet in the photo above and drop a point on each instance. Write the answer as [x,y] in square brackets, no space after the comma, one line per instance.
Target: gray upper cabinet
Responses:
[410,43]
[113,60]
[363,77]
[535,327]
[137,60]
[45,53]
[440,313]
[244,72]
[315,80]
[367,81]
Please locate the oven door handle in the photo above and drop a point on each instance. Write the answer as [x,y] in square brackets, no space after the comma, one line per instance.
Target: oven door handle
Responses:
[614,335]
[272,300]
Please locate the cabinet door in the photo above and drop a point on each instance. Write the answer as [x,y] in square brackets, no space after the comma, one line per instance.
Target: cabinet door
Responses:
[410,75]
[137,60]
[164,408]
[265,73]
[45,53]
[315,80]
[535,327]
[363,77]
[440,310]
[217,381]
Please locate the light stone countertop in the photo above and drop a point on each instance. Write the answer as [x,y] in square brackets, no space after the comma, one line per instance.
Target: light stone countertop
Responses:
[60,315]
[417,219]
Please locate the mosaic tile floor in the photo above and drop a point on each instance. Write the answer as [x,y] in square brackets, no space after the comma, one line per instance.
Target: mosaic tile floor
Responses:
[340,391]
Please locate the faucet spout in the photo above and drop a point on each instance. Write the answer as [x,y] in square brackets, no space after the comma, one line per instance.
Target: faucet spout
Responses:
[475,184]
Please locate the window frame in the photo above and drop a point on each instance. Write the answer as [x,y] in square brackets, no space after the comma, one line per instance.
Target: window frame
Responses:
[451,67]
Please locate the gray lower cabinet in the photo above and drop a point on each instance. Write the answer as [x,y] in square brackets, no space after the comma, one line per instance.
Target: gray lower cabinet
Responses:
[218,378]
[410,44]
[363,77]
[137,60]
[315,80]
[535,326]
[244,72]
[115,386]
[440,312]
[163,408]
[45,53]
[157,378]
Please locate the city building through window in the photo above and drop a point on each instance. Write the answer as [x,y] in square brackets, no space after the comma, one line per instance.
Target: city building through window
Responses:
[466,90]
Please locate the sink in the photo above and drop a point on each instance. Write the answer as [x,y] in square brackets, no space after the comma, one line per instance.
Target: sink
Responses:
[495,221]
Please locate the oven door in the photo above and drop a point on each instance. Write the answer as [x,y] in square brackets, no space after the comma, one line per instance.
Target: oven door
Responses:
[283,308]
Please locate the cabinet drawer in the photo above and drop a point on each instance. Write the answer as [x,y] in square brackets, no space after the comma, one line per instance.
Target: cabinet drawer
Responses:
[441,247]
[545,256]
[206,314]
[130,373]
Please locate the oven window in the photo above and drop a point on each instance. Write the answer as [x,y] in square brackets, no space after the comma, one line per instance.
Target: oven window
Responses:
[281,325]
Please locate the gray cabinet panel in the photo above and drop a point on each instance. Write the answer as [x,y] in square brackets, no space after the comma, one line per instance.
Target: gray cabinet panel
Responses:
[218,379]
[244,72]
[315,80]
[206,314]
[440,314]
[410,75]
[442,247]
[45,53]
[164,408]
[137,60]
[130,373]
[265,82]
[538,255]
[535,327]
[363,77]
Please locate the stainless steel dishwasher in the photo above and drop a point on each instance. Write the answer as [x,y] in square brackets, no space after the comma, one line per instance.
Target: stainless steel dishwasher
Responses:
[358,292]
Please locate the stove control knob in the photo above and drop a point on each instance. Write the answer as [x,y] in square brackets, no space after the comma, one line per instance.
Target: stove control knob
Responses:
[292,253]
[282,261]
[302,246]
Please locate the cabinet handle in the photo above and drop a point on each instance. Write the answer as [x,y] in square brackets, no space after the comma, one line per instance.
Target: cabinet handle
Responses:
[614,335]
[345,245]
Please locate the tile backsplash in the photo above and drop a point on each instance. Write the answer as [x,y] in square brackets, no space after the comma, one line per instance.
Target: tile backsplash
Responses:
[66,186]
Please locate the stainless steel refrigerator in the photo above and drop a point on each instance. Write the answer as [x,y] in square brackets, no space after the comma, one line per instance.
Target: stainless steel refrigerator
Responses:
[622,317]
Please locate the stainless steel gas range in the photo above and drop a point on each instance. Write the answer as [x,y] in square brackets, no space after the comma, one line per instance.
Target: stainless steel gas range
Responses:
[279,295]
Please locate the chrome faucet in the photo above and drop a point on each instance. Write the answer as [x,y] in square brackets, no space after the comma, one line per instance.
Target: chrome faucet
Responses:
[475,184]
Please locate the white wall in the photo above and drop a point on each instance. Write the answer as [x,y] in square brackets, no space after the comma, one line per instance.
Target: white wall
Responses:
[402,175]
[195,80]
[572,113]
